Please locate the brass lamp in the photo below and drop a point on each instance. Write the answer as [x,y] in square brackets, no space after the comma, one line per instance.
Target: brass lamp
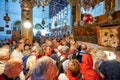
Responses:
[7,19]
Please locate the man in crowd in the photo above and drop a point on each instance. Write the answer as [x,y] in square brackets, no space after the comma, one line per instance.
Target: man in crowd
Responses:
[12,69]
[45,69]
[110,70]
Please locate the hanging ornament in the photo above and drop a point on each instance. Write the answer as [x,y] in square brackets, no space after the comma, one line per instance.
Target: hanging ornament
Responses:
[43,22]
[7,19]
[88,18]
[55,24]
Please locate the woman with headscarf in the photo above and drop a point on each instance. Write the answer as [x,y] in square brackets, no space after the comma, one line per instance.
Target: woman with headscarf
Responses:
[88,73]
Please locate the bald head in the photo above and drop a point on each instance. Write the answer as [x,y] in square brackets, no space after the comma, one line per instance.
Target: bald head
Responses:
[83,47]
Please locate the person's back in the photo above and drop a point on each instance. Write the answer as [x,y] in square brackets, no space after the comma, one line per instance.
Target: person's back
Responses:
[110,70]
[44,69]
[12,70]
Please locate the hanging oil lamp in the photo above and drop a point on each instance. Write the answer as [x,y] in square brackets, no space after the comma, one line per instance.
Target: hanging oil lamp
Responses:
[7,19]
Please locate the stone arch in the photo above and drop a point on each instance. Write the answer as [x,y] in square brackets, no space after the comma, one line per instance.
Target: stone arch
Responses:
[38,26]
[17,25]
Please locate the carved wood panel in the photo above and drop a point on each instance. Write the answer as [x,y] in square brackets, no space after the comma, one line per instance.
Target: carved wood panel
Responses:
[85,34]
[109,36]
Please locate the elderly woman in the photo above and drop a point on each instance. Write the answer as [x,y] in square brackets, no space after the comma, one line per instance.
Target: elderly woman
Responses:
[73,71]
[30,59]
[100,57]
[4,57]
[12,69]
[86,68]
[45,69]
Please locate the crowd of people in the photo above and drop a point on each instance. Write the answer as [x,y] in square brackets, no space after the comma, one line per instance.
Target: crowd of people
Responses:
[56,59]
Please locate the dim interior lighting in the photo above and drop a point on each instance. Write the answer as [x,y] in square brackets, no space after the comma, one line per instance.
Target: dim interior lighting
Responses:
[27,24]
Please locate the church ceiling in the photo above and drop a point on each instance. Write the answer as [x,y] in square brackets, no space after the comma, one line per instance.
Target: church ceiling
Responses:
[56,6]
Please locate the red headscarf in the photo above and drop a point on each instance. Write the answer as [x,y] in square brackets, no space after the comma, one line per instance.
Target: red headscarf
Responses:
[86,68]
[70,77]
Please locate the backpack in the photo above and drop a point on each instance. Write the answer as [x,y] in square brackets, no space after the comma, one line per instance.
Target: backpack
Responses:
[24,59]
[59,64]
[77,55]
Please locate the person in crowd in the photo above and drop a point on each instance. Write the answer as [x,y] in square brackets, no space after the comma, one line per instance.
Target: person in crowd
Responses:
[77,55]
[73,47]
[59,52]
[100,57]
[6,46]
[30,59]
[45,69]
[55,44]
[72,72]
[36,43]
[12,70]
[110,70]
[26,49]
[4,57]
[62,58]
[27,41]
[47,50]
[14,43]
[88,73]
[83,49]
[17,53]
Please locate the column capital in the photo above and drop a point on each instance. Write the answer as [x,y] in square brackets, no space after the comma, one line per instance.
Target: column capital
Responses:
[73,2]
[26,4]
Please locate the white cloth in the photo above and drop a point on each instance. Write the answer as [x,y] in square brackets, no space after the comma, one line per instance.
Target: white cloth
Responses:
[30,62]
[65,65]
[62,76]
[16,54]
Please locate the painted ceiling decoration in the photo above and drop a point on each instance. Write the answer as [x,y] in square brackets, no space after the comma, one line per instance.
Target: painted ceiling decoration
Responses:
[32,3]
[85,3]
[56,6]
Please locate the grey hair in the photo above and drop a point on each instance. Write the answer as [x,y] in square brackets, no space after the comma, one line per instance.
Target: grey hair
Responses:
[4,52]
[101,55]
[65,49]
[36,49]
[43,65]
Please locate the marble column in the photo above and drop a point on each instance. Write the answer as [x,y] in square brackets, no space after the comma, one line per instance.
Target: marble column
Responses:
[26,17]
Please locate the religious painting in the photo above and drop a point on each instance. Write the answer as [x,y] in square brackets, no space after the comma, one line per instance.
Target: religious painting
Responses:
[109,36]
[85,34]
[15,35]
[8,31]
[1,28]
